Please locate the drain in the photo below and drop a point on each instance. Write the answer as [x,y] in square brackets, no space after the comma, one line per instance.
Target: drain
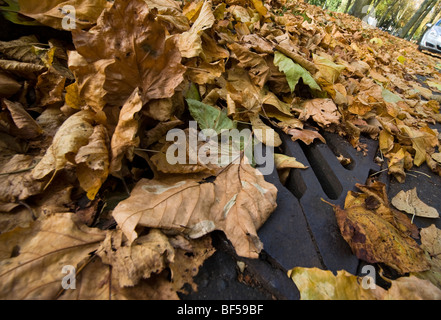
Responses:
[322,170]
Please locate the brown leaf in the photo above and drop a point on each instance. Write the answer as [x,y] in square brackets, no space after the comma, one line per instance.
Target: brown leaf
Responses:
[409,202]
[322,111]
[264,133]
[190,42]
[16,182]
[99,281]
[93,161]
[51,12]
[50,86]
[32,258]
[191,162]
[8,85]
[143,56]
[238,202]
[21,49]
[307,136]
[70,137]
[255,64]
[90,79]
[132,262]
[124,139]
[22,69]
[24,126]
[431,243]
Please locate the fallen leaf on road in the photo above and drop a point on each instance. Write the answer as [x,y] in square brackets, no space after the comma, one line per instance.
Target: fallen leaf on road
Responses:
[316,284]
[409,202]
[377,233]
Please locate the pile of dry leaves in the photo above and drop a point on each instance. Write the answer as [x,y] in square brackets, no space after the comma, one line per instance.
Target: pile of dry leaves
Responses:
[80,121]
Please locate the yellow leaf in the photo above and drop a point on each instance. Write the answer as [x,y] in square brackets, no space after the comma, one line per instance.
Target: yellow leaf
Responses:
[72,96]
[316,284]
[283,161]
[258,5]
[401,59]
[328,70]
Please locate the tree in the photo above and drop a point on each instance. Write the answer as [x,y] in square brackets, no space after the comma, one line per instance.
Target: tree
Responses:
[357,9]
[417,15]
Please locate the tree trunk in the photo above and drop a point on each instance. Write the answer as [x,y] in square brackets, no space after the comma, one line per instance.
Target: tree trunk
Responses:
[415,18]
[420,20]
[357,8]
[391,12]
[344,6]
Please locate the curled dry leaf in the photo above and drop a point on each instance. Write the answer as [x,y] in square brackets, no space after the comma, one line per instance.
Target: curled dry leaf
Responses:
[21,49]
[70,137]
[282,161]
[92,161]
[238,202]
[124,139]
[90,79]
[22,69]
[179,261]
[264,133]
[328,70]
[431,243]
[306,136]
[322,111]
[256,64]
[202,157]
[50,87]
[16,182]
[190,42]
[23,125]
[317,284]
[132,262]
[8,85]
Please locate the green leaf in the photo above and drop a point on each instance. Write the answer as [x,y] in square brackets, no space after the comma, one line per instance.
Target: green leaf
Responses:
[389,96]
[192,92]
[10,9]
[294,72]
[209,117]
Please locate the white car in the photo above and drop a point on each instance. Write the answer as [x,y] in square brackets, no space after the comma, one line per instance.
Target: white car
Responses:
[431,40]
